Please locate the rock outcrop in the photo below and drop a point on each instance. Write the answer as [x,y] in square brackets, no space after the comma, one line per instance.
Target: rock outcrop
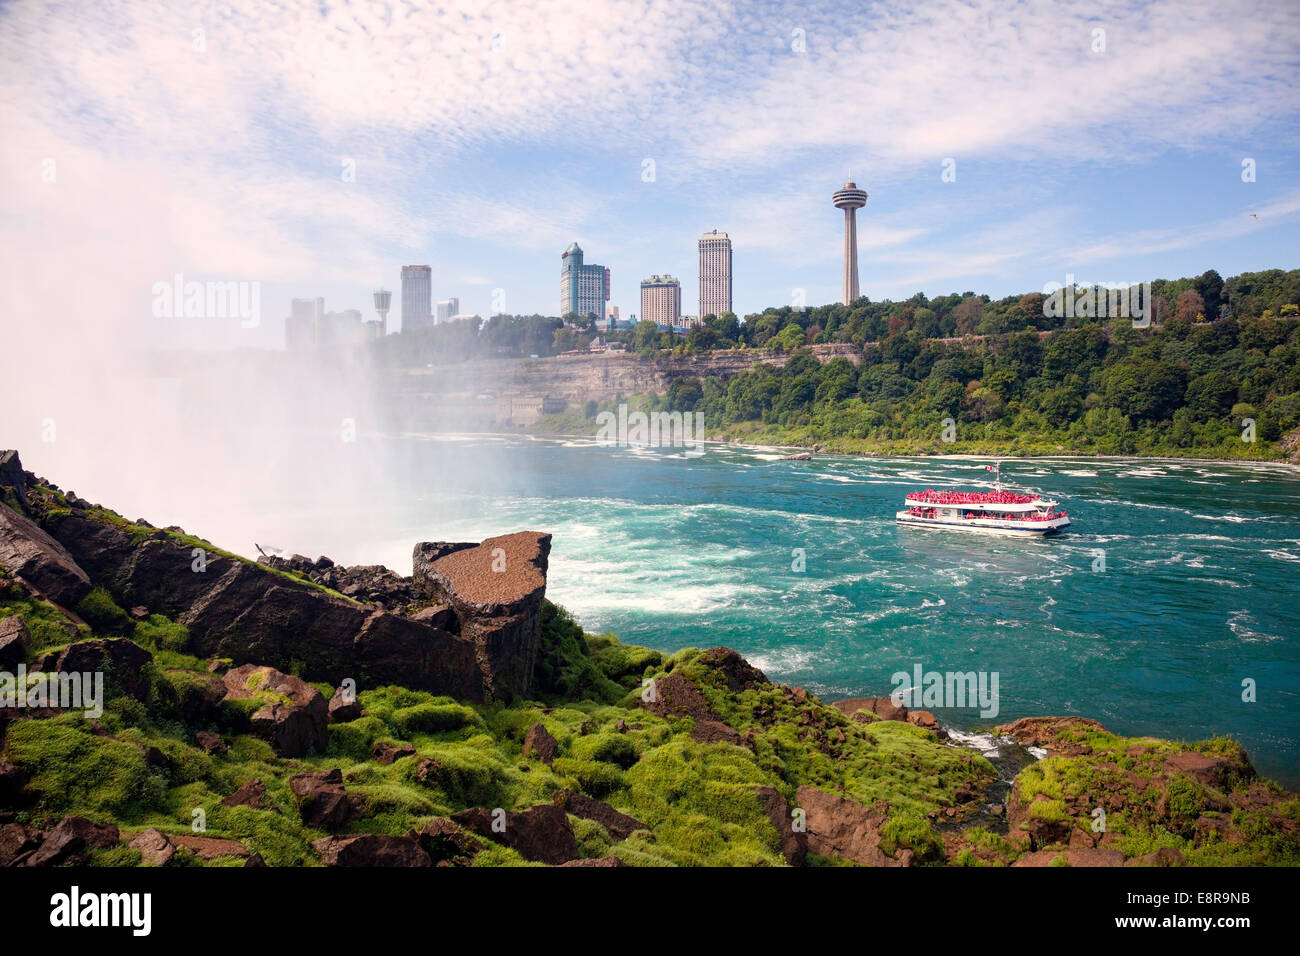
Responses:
[618,825]
[121,661]
[846,829]
[794,843]
[540,744]
[677,696]
[371,849]
[322,801]
[295,717]
[882,708]
[29,552]
[496,590]
[458,627]
[541,833]
[14,641]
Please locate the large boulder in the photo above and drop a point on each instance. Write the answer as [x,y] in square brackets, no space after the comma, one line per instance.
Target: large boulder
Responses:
[13,480]
[845,828]
[295,718]
[447,843]
[322,801]
[154,846]
[251,794]
[33,555]
[541,833]
[677,696]
[17,841]
[69,839]
[496,590]
[14,641]
[883,708]
[1051,734]
[539,743]
[343,707]
[248,613]
[618,825]
[371,849]
[121,661]
[794,844]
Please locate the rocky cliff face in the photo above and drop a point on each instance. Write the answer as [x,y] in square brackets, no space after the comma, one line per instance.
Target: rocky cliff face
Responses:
[495,389]
[465,630]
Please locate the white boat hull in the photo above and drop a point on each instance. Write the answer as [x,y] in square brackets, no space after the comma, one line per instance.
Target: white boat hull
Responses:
[1009,529]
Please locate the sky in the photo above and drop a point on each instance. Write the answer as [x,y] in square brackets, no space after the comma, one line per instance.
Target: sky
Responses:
[312,149]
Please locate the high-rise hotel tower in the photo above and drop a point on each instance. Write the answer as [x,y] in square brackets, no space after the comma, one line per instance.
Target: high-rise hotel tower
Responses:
[584,289]
[417,298]
[715,274]
[661,301]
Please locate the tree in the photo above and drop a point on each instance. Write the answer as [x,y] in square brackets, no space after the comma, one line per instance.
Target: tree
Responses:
[1061,406]
[1211,395]
[1145,390]
[1209,285]
[982,404]
[1190,306]
[645,336]
[788,339]
[684,394]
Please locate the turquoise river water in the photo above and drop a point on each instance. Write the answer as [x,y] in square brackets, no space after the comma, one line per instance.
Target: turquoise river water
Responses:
[673,549]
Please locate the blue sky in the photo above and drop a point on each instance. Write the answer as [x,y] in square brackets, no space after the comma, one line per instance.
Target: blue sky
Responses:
[487,136]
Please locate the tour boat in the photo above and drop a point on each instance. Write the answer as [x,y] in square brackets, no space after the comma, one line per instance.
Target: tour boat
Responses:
[1001,512]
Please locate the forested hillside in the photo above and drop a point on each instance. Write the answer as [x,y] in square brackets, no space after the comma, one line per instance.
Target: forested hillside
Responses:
[963,373]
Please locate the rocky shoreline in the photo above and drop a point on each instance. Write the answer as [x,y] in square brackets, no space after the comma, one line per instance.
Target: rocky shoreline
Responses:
[312,714]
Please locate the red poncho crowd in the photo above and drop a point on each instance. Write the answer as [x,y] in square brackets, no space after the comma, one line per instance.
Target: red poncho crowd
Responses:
[930,496]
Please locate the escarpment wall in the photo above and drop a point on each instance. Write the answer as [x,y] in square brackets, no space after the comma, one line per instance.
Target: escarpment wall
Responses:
[511,391]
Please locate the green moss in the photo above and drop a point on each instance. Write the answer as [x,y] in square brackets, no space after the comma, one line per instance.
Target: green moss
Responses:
[46,624]
[75,770]
[100,611]
[465,775]
[592,777]
[612,748]
[907,831]
[158,633]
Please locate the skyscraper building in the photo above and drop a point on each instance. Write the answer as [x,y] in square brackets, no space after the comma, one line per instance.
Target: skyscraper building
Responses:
[850,199]
[302,328]
[446,309]
[584,289]
[715,274]
[417,298]
[661,301]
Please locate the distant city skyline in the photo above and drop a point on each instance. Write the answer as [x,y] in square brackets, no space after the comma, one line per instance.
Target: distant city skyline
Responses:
[1154,144]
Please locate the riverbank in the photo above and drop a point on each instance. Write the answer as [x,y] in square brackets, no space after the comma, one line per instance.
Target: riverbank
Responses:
[889,450]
